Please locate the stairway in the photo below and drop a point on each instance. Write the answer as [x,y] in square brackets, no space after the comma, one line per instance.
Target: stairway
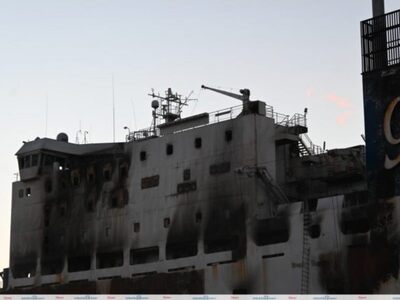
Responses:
[279,195]
[303,150]
[305,271]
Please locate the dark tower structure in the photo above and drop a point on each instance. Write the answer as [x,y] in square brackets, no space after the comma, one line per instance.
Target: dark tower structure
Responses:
[380,43]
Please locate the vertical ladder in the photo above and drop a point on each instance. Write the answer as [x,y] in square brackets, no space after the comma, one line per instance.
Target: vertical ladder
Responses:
[305,271]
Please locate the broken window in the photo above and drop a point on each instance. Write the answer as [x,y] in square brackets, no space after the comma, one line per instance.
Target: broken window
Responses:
[170,149]
[24,270]
[186,174]
[53,265]
[166,222]
[136,227]
[28,192]
[181,249]
[355,224]
[186,187]
[198,217]
[123,170]
[110,259]
[271,231]
[149,182]
[107,170]
[107,231]
[314,231]
[221,244]
[197,143]
[143,155]
[144,255]
[75,178]
[79,263]
[228,135]
[113,202]
[90,206]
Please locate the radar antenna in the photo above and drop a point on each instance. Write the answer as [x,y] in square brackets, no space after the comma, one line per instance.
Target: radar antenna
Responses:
[170,106]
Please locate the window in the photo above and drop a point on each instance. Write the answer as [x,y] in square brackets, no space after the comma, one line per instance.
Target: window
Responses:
[107,172]
[48,160]
[52,266]
[186,187]
[144,255]
[24,270]
[113,202]
[21,162]
[136,227]
[181,249]
[108,231]
[228,135]
[221,244]
[21,193]
[143,155]
[90,175]
[123,171]
[110,259]
[27,161]
[197,143]
[170,149]
[314,231]
[28,192]
[90,206]
[198,217]
[75,178]
[167,221]
[35,160]
[80,263]
[271,231]
[149,182]
[186,174]
[48,186]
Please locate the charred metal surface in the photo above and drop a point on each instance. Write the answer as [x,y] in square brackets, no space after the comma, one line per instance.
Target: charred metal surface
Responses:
[84,287]
[172,283]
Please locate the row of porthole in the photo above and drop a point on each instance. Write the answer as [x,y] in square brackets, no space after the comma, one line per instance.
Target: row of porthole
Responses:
[166,222]
[27,192]
[197,144]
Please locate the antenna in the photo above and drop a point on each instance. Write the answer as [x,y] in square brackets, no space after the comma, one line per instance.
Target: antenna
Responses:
[171,105]
[46,114]
[113,103]
[85,134]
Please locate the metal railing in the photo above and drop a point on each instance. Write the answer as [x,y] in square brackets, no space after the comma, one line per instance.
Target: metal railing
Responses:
[380,42]
[286,120]
[224,115]
[311,147]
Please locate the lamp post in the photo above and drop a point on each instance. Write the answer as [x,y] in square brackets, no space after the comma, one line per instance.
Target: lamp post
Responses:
[129,133]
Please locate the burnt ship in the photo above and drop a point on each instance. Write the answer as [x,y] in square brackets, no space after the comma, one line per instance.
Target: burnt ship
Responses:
[238,201]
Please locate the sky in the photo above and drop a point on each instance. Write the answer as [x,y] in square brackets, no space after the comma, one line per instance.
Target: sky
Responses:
[60,57]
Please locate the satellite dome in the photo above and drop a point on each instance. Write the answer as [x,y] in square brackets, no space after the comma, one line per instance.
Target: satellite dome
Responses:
[155,104]
[62,137]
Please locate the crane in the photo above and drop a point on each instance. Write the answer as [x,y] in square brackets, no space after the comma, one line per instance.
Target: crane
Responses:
[244,97]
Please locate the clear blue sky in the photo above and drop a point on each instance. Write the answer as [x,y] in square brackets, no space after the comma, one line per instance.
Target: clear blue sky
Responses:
[291,54]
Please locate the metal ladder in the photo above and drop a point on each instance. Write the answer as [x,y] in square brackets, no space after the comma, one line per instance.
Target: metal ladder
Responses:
[305,270]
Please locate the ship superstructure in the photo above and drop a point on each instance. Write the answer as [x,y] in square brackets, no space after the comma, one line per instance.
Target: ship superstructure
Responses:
[212,203]
[235,201]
